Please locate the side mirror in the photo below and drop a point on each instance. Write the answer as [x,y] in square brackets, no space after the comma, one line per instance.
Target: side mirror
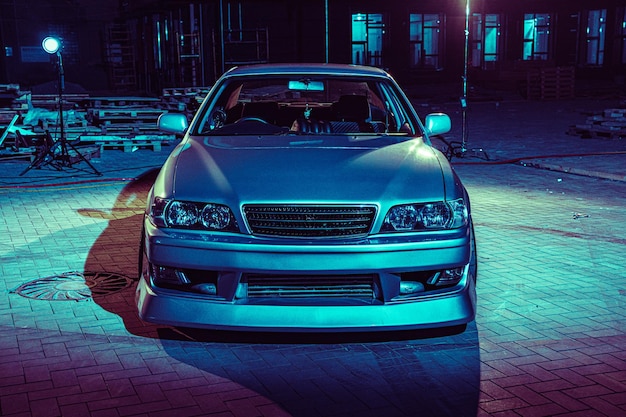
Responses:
[173,123]
[437,124]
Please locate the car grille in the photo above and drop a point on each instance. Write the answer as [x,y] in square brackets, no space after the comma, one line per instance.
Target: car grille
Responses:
[310,286]
[306,221]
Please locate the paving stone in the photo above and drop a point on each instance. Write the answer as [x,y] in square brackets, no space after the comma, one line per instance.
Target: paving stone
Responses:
[548,339]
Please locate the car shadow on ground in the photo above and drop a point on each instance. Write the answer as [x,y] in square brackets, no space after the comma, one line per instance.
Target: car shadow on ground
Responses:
[402,373]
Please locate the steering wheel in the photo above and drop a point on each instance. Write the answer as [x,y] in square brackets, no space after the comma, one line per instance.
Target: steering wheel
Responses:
[252,119]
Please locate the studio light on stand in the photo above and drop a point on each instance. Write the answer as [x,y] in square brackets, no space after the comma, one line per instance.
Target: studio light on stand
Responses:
[57,153]
[455,148]
[465,69]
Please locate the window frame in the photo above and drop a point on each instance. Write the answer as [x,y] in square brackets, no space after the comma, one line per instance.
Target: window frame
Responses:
[480,23]
[374,22]
[419,56]
[594,38]
[534,42]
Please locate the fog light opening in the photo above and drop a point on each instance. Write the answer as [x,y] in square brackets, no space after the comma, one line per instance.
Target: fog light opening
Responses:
[205,288]
[448,277]
[411,287]
[163,275]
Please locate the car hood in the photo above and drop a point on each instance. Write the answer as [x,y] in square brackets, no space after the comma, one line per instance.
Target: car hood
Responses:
[406,172]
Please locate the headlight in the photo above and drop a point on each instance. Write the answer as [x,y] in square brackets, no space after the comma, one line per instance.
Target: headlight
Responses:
[192,215]
[428,216]
[215,216]
[402,218]
[181,213]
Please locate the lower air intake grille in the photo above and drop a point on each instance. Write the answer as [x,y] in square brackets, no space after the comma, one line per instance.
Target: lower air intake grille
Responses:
[302,286]
[304,221]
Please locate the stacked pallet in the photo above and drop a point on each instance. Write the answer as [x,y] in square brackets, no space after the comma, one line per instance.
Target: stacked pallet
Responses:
[185,100]
[610,124]
[7,116]
[126,144]
[123,101]
[51,101]
[13,104]
[550,83]
[126,123]
[13,99]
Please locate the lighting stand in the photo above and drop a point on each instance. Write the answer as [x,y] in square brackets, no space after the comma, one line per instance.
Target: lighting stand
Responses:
[57,153]
[455,148]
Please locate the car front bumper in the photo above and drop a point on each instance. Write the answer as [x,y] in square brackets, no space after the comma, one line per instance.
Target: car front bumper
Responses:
[236,254]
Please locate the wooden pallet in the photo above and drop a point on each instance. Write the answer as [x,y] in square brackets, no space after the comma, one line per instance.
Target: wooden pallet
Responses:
[597,131]
[9,87]
[129,130]
[184,99]
[105,102]
[18,153]
[153,142]
[124,116]
[609,124]
[51,101]
[125,113]
[13,98]
[550,83]
[615,114]
[185,91]
[6,116]
[6,130]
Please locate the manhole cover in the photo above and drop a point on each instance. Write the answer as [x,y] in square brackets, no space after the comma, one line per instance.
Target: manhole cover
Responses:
[74,286]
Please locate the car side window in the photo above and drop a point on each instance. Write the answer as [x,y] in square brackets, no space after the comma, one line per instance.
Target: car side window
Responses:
[399,121]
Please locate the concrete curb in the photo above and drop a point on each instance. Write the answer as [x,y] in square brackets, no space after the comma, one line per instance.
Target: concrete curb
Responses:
[575,171]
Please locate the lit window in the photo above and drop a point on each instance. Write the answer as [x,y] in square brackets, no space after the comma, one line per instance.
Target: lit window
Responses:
[426,38]
[536,36]
[368,35]
[594,37]
[485,40]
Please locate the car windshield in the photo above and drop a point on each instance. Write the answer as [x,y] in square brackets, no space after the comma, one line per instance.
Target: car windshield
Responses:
[325,106]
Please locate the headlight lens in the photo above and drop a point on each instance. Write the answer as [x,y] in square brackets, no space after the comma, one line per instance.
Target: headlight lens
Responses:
[215,216]
[428,216]
[192,215]
[435,215]
[181,213]
[402,218]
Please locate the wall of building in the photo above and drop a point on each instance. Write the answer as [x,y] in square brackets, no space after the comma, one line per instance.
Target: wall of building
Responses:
[297,31]
[25,23]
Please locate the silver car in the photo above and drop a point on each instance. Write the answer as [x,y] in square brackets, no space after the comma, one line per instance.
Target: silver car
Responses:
[307,198]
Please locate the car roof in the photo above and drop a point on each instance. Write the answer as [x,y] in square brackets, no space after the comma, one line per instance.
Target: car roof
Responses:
[300,68]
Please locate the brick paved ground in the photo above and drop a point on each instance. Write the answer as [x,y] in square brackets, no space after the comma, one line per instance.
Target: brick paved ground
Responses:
[549,338]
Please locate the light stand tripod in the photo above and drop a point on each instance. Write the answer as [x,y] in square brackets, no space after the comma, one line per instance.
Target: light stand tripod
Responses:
[57,153]
[455,148]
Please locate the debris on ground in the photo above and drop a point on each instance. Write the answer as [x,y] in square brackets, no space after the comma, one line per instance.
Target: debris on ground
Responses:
[609,124]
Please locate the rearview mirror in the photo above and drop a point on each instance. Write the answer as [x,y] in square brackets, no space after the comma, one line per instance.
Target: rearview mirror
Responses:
[306,85]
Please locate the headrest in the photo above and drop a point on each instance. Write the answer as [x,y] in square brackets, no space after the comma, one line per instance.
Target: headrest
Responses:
[266,110]
[353,108]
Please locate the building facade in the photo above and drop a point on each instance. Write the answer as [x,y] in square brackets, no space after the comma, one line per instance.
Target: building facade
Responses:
[146,45]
